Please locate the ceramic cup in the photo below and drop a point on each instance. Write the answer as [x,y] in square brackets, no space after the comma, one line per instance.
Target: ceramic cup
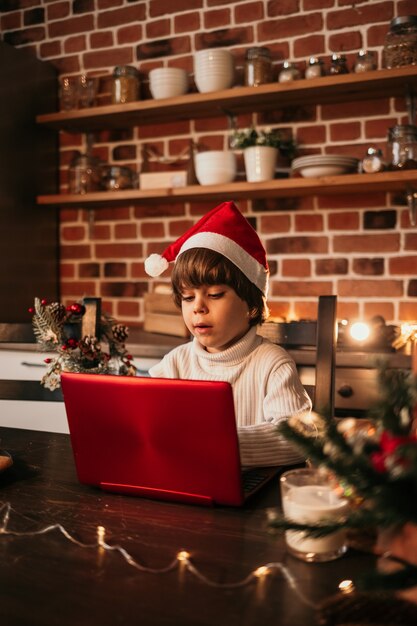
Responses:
[215,167]
[213,70]
[168,82]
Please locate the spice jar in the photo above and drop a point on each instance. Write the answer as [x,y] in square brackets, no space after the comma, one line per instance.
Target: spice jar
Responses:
[338,65]
[116,177]
[365,61]
[125,85]
[289,72]
[258,66]
[84,174]
[400,47]
[402,142]
[373,161]
[315,68]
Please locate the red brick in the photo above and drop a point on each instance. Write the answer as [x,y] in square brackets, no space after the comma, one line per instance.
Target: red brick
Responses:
[102,39]
[330,266]
[361,108]
[278,309]
[75,44]
[347,310]
[73,233]
[129,34]
[403,265]
[100,232]
[125,231]
[112,213]
[151,230]
[75,251]
[292,289]
[296,267]
[304,310]
[311,45]
[297,245]
[345,41]
[367,14]
[378,128]
[386,309]
[108,58]
[343,221]
[408,311]
[345,131]
[216,19]
[360,201]
[161,7]
[178,227]
[370,288]
[165,129]
[366,243]
[410,242]
[57,11]
[128,309]
[375,36]
[67,270]
[290,26]
[89,270]
[158,29]
[368,266]
[313,5]
[275,224]
[11,21]
[78,289]
[63,28]
[124,15]
[249,12]
[282,7]
[186,22]
[305,223]
[307,135]
[159,210]
[49,49]
[118,250]
[137,270]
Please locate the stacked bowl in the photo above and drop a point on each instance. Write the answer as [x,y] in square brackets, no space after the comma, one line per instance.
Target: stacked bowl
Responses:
[213,70]
[168,82]
[324,165]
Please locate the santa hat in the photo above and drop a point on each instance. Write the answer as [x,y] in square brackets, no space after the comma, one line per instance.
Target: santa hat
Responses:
[224,230]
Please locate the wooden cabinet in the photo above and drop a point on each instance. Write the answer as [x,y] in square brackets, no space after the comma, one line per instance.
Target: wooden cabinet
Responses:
[323,90]
[28,167]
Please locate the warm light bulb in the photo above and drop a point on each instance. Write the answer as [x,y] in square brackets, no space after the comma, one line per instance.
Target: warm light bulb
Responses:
[346,586]
[261,571]
[183,555]
[359,331]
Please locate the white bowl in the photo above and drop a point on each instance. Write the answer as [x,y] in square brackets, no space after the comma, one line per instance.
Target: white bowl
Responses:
[168,82]
[215,167]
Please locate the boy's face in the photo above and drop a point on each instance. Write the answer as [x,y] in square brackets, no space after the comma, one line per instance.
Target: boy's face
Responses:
[215,315]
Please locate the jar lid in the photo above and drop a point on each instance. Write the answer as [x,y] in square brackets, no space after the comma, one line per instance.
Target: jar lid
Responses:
[252,53]
[314,61]
[288,65]
[404,20]
[336,56]
[123,70]
[372,151]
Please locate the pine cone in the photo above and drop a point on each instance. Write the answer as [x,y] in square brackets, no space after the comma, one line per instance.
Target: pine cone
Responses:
[120,332]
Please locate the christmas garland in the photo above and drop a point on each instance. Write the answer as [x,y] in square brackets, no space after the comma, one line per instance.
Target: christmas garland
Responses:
[57,329]
[372,462]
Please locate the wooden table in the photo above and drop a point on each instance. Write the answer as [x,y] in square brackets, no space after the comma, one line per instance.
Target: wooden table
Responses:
[48,580]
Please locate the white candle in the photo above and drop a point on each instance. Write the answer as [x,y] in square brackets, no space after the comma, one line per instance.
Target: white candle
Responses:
[310,504]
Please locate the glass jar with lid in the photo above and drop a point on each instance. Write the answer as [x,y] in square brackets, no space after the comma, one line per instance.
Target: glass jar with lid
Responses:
[289,72]
[402,143]
[125,84]
[400,46]
[365,61]
[258,66]
[315,68]
[338,65]
[84,174]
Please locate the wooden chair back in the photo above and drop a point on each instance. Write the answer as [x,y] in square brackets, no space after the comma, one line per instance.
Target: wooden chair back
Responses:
[321,335]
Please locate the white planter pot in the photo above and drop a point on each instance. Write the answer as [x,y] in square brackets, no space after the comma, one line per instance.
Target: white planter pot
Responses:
[260,163]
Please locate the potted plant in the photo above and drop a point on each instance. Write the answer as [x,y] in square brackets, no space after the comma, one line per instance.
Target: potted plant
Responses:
[260,151]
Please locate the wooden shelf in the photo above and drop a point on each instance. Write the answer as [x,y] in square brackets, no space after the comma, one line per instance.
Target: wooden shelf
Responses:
[323,90]
[291,187]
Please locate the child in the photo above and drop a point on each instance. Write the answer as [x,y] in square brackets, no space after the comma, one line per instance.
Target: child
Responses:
[219,281]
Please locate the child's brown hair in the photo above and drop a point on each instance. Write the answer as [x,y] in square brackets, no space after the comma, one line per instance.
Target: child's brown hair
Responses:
[201,266]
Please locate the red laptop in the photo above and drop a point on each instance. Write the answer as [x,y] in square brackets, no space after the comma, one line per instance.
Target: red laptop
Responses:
[158,438]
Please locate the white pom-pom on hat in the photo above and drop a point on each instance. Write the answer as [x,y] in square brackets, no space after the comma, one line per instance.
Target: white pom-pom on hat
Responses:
[155,265]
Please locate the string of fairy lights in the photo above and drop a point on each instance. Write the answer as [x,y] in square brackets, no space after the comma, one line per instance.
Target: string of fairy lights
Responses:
[181,561]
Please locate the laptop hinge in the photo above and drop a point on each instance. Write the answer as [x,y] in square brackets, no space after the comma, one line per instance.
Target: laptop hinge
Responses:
[158,494]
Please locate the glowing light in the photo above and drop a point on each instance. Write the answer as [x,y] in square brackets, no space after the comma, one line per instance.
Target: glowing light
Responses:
[261,571]
[359,331]
[183,555]
[346,586]
[101,531]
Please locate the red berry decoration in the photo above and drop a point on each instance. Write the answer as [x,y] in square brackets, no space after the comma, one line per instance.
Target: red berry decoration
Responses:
[71,343]
[44,302]
[31,310]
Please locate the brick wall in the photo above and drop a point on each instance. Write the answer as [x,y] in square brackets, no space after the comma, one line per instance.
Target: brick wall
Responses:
[360,247]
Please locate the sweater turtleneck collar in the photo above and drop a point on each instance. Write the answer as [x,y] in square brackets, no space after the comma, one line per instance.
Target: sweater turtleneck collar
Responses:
[233,355]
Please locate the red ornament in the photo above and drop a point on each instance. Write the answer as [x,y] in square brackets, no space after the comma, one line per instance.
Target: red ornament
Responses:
[47,360]
[31,310]
[44,302]
[71,343]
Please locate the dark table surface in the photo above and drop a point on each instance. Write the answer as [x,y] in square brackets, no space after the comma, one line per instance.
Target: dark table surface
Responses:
[47,579]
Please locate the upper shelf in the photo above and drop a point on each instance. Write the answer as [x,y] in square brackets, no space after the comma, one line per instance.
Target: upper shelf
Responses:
[323,90]
[348,184]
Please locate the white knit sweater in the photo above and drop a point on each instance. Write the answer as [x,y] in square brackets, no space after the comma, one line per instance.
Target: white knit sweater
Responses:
[266,390]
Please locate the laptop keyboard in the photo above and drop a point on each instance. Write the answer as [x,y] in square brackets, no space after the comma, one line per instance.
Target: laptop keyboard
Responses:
[253,478]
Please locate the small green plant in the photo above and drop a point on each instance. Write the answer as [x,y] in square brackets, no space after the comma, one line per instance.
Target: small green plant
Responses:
[274,138]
